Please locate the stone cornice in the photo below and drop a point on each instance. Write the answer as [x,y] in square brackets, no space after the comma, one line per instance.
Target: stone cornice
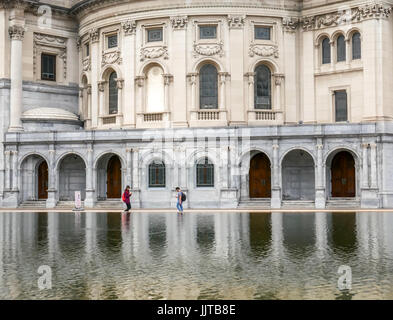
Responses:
[372,10]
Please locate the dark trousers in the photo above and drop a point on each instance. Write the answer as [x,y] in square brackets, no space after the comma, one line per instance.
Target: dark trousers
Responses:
[128,206]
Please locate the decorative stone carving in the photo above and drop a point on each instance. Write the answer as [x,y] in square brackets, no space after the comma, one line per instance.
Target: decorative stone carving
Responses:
[154,52]
[367,11]
[129,27]
[278,77]
[236,22]
[119,83]
[168,78]
[140,81]
[56,43]
[263,50]
[111,57]
[192,77]
[290,24]
[101,86]
[78,43]
[86,64]
[208,49]
[94,35]
[16,32]
[179,22]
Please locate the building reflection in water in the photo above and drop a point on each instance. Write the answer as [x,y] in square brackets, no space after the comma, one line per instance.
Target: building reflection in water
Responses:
[216,256]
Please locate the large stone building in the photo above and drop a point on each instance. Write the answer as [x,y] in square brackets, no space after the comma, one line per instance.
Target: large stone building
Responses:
[253,102]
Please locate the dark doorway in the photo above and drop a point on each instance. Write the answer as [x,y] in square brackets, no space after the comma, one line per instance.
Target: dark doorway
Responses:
[43,180]
[114,178]
[343,175]
[260,177]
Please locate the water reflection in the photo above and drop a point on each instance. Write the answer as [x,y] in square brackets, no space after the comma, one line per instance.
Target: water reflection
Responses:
[196,256]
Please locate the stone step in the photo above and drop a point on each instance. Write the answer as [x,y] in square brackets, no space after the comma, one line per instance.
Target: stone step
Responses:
[253,203]
[33,204]
[343,203]
[297,204]
[110,204]
[66,204]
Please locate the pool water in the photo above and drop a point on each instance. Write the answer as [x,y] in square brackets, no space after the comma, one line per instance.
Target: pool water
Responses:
[197,255]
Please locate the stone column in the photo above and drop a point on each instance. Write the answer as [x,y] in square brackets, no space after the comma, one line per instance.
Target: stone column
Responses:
[278,78]
[320,196]
[135,177]
[51,201]
[89,116]
[167,107]
[119,118]
[89,199]
[128,167]
[332,54]
[193,79]
[348,52]
[129,30]
[373,158]
[101,103]
[7,184]
[15,171]
[222,77]
[16,95]
[365,182]
[140,82]
[94,35]
[276,188]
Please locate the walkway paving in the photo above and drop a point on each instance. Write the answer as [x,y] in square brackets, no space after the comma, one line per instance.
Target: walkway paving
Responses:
[172,210]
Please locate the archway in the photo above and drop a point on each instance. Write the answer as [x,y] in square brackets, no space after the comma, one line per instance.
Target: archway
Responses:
[113,178]
[72,177]
[34,178]
[43,180]
[343,176]
[298,176]
[109,177]
[260,176]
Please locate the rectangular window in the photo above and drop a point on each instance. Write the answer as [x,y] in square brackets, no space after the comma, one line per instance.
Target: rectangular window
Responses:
[154,35]
[111,41]
[262,33]
[340,101]
[207,32]
[205,175]
[156,176]
[48,67]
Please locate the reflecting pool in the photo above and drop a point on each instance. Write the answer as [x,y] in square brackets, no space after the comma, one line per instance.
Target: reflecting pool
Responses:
[196,256]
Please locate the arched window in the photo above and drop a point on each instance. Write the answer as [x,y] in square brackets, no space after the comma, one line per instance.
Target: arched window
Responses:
[205,173]
[326,51]
[341,50]
[356,46]
[262,88]
[113,101]
[208,87]
[155,90]
[157,174]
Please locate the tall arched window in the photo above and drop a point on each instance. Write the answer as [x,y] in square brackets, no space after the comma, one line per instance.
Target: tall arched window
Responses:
[205,173]
[208,87]
[262,88]
[356,46]
[155,90]
[326,51]
[113,96]
[341,50]
[157,174]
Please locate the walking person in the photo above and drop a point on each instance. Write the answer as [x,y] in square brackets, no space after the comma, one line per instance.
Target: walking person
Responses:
[126,198]
[181,197]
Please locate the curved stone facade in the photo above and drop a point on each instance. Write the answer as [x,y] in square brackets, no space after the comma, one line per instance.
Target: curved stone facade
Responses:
[188,93]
